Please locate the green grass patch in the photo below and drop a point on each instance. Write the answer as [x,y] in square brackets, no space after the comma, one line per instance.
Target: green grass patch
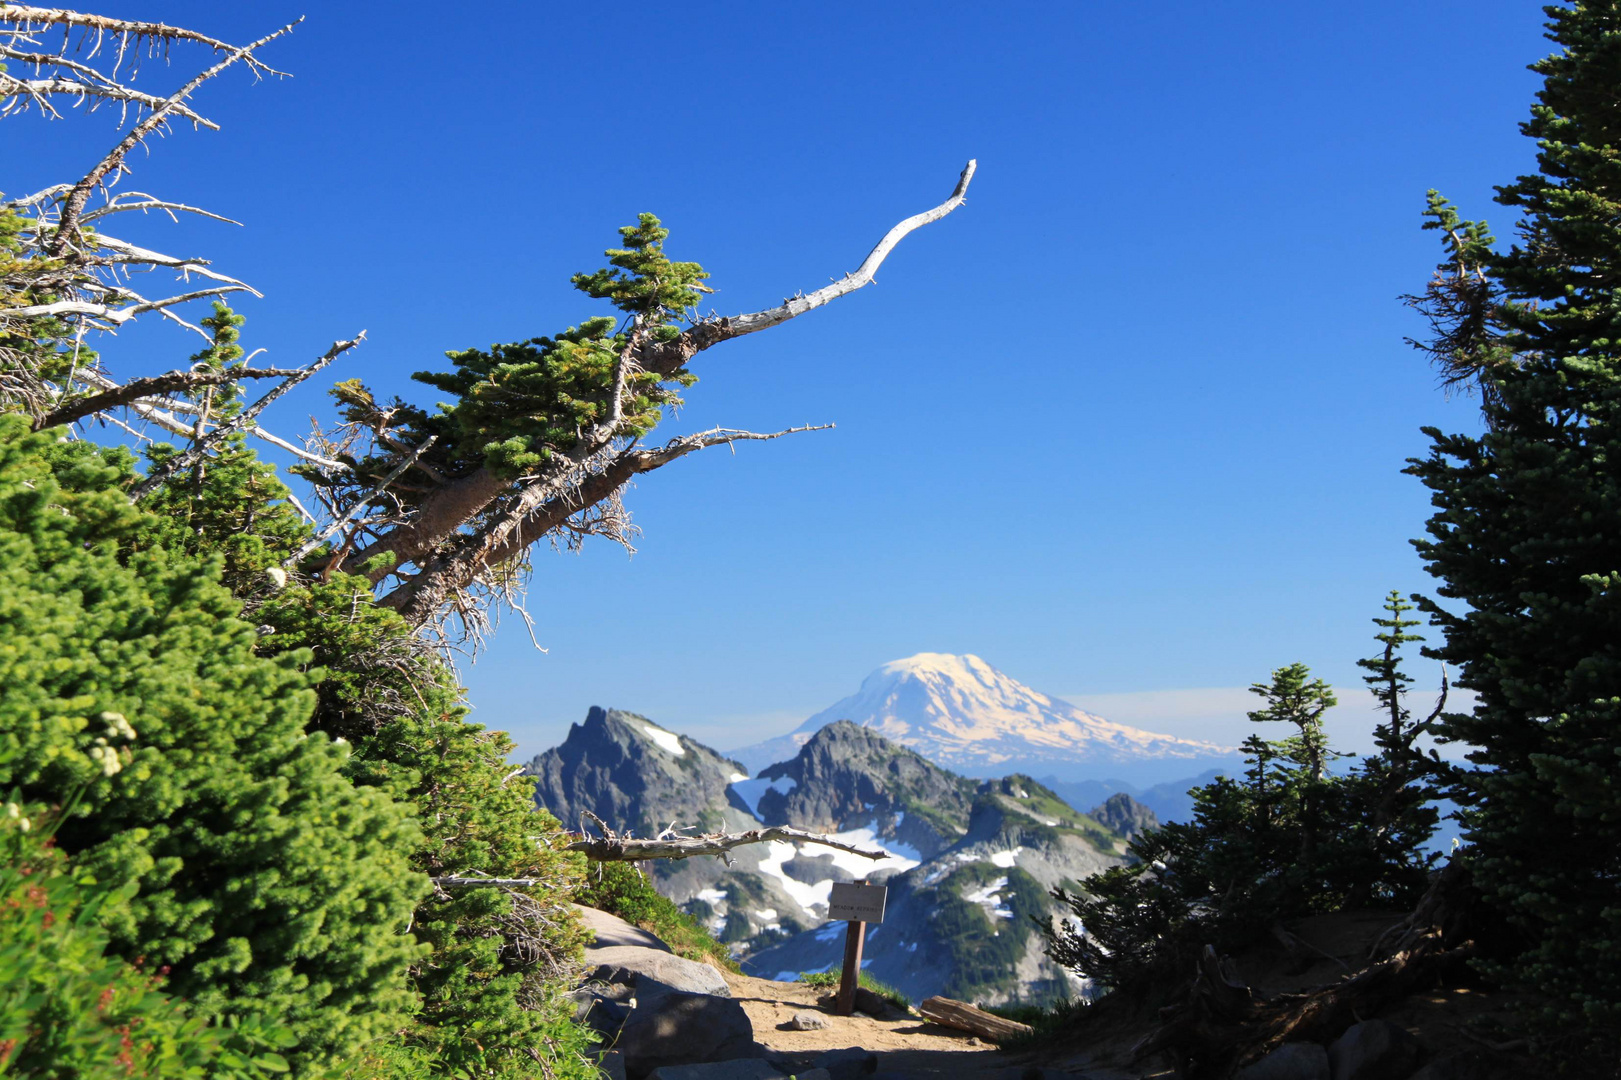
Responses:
[620,889]
[829,980]
[1044,804]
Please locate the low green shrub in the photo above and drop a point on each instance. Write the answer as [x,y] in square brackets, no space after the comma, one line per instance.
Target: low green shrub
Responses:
[69,1008]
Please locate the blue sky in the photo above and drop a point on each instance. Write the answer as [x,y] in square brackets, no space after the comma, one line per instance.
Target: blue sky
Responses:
[1129,423]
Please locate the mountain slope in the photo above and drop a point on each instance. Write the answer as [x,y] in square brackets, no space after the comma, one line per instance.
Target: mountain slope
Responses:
[969,860]
[848,777]
[634,775]
[963,714]
[960,924]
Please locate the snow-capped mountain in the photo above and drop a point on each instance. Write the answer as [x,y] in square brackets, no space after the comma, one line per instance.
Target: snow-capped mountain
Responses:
[963,714]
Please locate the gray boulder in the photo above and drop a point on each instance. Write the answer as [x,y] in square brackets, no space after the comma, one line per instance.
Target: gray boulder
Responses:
[737,1069]
[610,930]
[1291,1061]
[1373,1050]
[630,964]
[851,1063]
[684,1029]
[600,1011]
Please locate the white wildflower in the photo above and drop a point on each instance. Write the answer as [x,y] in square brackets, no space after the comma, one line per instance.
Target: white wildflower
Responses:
[277,576]
[106,757]
[117,726]
[13,810]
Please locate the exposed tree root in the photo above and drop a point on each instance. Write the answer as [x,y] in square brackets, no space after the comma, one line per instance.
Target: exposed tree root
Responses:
[1218,1024]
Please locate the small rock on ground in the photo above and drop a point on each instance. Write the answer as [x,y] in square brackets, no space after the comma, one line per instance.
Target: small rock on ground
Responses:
[805,1020]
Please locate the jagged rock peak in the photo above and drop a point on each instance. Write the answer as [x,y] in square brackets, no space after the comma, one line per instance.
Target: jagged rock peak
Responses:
[846,776]
[1126,815]
[633,774]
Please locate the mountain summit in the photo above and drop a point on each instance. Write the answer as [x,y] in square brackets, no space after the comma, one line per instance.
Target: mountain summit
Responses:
[964,714]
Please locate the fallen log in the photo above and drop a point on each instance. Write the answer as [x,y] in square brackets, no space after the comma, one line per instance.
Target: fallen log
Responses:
[965,1017]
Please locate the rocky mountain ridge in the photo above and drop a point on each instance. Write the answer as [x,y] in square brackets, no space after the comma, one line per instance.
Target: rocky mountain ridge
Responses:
[633,774]
[968,860]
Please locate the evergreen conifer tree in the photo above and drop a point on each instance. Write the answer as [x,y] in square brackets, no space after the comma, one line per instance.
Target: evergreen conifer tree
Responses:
[1526,534]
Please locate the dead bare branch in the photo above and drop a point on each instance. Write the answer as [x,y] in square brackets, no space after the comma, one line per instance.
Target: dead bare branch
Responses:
[73,203]
[152,386]
[242,421]
[359,504]
[613,848]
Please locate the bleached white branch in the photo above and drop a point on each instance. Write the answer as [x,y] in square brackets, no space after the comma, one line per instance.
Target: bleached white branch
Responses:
[359,505]
[118,316]
[297,451]
[130,253]
[753,322]
[38,89]
[624,849]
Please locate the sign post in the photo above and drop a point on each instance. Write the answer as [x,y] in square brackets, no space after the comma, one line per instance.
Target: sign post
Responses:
[858,904]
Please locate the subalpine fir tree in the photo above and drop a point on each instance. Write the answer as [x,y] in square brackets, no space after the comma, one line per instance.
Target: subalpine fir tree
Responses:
[1526,535]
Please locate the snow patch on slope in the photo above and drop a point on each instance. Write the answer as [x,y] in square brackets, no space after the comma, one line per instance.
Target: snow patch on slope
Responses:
[667,740]
[813,896]
[750,791]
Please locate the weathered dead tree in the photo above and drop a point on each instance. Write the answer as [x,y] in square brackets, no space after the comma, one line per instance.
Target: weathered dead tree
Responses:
[71,278]
[443,536]
[466,531]
[625,849]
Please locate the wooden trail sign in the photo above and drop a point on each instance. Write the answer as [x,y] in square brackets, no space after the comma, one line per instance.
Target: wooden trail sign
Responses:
[858,904]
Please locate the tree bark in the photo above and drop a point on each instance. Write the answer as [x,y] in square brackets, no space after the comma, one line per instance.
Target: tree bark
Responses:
[965,1017]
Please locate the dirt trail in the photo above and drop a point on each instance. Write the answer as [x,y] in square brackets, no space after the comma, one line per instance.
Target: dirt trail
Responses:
[910,1046]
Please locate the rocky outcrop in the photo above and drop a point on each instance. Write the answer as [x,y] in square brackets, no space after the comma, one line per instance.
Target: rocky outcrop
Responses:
[684,1029]
[846,776]
[960,924]
[1125,815]
[971,862]
[657,1009]
[1291,1061]
[1373,1050]
[634,775]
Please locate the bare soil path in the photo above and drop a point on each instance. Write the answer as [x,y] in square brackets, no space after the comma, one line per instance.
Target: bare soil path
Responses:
[909,1047]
